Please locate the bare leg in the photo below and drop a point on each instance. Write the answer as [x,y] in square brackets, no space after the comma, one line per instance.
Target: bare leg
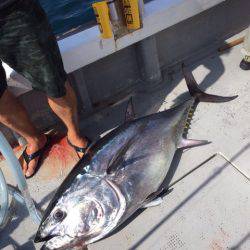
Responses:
[14,116]
[66,109]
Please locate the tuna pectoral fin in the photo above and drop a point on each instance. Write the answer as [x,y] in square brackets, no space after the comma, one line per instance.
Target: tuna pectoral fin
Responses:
[197,93]
[116,162]
[153,203]
[188,143]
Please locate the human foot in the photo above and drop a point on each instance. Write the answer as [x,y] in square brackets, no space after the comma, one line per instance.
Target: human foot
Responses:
[31,155]
[245,63]
[80,144]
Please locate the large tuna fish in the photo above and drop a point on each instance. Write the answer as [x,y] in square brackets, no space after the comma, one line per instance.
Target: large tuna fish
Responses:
[123,172]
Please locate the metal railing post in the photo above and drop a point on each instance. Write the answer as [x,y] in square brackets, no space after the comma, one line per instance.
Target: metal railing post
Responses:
[4,200]
[16,169]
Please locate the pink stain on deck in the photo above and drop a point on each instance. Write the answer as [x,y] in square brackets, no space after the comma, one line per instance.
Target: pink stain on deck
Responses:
[59,159]
[221,241]
[60,150]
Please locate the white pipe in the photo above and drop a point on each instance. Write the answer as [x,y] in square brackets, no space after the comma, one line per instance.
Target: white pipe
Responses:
[16,169]
[4,200]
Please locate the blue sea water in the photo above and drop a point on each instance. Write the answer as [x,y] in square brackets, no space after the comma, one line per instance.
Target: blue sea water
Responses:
[65,15]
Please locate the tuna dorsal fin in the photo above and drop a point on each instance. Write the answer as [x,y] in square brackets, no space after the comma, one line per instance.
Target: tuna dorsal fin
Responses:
[130,113]
[189,143]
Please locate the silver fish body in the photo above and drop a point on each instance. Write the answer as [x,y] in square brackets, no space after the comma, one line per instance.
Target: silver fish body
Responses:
[118,175]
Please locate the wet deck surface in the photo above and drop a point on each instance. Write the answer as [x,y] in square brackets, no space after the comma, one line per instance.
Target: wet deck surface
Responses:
[208,209]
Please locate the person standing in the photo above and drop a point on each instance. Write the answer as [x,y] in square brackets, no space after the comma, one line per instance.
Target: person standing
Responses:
[27,45]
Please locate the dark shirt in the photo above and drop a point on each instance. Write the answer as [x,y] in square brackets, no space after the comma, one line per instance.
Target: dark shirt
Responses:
[5,3]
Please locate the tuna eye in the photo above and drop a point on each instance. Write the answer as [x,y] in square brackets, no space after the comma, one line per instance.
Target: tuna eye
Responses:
[59,215]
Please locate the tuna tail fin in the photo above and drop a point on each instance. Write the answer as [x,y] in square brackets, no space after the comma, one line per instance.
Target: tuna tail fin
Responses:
[198,94]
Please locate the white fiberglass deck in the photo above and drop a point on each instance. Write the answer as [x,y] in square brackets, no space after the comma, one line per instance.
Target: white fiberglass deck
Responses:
[208,209]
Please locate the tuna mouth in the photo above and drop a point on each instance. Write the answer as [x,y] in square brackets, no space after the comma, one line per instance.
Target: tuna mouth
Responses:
[63,243]
[39,238]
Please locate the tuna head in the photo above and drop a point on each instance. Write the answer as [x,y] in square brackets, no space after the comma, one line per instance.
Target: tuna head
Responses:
[86,212]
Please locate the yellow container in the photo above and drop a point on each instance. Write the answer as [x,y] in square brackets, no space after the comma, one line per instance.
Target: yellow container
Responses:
[132,15]
[102,16]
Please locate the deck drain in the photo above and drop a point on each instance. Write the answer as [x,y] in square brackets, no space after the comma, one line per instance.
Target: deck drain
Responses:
[175,242]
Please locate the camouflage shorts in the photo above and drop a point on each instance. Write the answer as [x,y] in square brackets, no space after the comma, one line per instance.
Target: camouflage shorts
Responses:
[28,45]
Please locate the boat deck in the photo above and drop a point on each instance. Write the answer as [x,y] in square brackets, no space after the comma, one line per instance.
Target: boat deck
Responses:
[209,208]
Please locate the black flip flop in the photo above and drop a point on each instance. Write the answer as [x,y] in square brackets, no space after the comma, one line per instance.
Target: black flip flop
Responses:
[79,149]
[39,153]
